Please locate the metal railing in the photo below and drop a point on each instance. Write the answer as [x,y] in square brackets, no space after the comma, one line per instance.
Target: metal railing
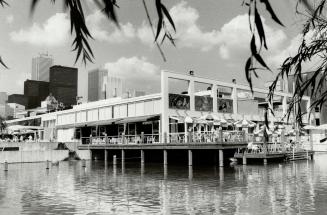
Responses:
[207,137]
[121,139]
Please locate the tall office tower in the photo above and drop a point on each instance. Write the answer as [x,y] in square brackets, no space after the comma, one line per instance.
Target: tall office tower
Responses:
[40,67]
[103,84]
[63,84]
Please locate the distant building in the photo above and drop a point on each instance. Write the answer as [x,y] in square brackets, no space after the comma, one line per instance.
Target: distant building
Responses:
[19,99]
[17,109]
[63,84]
[3,98]
[40,67]
[36,91]
[103,84]
[133,93]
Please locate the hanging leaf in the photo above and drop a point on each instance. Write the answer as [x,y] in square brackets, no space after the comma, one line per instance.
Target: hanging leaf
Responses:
[259,25]
[271,11]
[2,63]
[165,11]
[261,61]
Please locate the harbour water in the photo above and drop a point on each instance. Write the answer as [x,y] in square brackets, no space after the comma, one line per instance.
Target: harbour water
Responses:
[288,188]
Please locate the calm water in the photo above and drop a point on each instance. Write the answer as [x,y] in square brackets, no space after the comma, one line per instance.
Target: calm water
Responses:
[291,188]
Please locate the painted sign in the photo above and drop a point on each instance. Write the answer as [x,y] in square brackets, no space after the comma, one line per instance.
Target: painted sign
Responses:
[225,105]
[203,103]
[177,101]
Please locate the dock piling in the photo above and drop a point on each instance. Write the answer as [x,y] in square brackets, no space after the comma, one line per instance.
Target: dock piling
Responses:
[244,159]
[47,164]
[165,157]
[83,163]
[6,166]
[105,155]
[221,158]
[123,156]
[190,158]
[114,160]
[142,157]
[265,161]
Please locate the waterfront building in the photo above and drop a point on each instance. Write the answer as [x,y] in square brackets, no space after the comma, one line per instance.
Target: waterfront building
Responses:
[104,84]
[63,84]
[319,115]
[40,67]
[168,116]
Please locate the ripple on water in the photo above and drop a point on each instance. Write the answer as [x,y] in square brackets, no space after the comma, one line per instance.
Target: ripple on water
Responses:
[290,188]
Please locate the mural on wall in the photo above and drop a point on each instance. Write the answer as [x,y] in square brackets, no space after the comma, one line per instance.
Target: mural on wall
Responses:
[177,101]
[203,103]
[225,105]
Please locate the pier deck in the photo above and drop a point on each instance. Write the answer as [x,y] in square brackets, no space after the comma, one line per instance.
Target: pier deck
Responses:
[191,145]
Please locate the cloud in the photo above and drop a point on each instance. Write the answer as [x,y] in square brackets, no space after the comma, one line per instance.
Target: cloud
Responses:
[54,32]
[230,39]
[138,73]
[112,35]
[10,19]
[234,37]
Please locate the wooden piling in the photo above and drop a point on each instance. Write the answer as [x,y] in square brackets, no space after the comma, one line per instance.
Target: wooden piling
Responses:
[83,163]
[244,159]
[47,164]
[105,155]
[165,160]
[114,160]
[6,166]
[142,157]
[221,158]
[123,156]
[190,158]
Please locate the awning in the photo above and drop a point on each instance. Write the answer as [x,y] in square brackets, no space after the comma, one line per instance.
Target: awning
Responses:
[135,119]
[82,124]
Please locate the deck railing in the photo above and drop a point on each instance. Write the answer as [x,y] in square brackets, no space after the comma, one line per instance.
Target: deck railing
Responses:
[190,137]
[121,139]
[207,137]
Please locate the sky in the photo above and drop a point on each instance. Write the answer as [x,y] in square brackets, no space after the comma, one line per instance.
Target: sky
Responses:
[212,39]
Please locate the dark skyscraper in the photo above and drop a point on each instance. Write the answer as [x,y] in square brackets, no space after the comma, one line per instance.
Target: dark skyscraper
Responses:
[36,91]
[63,84]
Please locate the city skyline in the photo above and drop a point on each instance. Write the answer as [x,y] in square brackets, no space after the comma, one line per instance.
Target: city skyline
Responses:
[214,41]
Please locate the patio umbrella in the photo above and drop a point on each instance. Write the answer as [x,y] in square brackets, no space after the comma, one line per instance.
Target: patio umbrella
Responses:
[188,119]
[244,124]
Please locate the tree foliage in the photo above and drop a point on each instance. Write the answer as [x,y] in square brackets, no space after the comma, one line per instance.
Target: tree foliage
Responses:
[165,25]
[312,50]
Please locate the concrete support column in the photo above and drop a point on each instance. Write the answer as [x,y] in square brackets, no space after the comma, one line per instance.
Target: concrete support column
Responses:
[190,158]
[106,155]
[234,97]
[91,156]
[142,157]
[214,98]
[191,94]
[165,106]
[165,160]
[123,156]
[221,158]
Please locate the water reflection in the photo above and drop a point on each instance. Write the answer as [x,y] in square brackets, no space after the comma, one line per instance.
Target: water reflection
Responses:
[288,188]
